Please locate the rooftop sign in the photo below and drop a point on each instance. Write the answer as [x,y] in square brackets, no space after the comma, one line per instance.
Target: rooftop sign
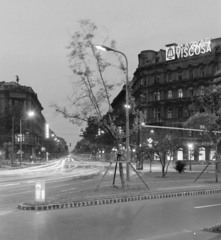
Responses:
[174,51]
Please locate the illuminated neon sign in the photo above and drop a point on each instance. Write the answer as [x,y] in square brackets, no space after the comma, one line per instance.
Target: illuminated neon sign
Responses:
[174,51]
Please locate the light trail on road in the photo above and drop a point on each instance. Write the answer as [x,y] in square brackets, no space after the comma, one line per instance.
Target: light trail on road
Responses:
[10,184]
[61,186]
[208,206]
[65,190]
[15,193]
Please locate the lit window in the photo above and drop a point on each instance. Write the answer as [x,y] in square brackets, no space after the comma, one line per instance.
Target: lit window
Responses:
[170,94]
[169,112]
[202,127]
[180,93]
[157,96]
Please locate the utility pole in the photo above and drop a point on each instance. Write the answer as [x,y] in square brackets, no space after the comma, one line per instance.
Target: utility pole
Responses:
[12,152]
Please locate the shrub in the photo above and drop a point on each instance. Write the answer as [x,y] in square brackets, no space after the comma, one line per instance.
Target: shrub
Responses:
[180,166]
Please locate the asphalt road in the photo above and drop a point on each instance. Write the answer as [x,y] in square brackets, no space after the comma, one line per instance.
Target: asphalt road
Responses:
[151,220]
[141,220]
[18,186]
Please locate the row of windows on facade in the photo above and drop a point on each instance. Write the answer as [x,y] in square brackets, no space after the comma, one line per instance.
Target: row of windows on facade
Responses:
[170,94]
[171,113]
[180,75]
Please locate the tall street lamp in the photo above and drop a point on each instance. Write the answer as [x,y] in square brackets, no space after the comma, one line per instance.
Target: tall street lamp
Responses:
[29,114]
[190,146]
[104,48]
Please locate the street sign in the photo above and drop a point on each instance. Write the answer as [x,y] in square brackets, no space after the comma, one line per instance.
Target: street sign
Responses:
[40,191]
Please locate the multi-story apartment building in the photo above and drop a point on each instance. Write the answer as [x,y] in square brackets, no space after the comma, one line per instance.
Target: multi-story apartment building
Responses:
[164,83]
[16,101]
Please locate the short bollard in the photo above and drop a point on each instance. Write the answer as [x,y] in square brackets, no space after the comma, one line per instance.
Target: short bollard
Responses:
[40,191]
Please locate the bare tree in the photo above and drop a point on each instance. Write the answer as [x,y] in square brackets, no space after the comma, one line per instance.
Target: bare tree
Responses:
[93,83]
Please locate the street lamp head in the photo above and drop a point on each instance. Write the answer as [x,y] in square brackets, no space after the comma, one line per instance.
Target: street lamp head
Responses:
[31,113]
[190,145]
[127,106]
[104,48]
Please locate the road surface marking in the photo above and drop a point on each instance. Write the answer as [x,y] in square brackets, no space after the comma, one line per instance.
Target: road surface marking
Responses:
[67,189]
[4,212]
[31,181]
[158,237]
[207,206]
[11,184]
[16,193]
[61,185]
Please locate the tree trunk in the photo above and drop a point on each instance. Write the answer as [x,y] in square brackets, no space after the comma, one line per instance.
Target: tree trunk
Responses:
[163,171]
[167,167]
[163,165]
[121,174]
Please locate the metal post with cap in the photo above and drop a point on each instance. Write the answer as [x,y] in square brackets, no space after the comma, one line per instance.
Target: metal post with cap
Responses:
[104,48]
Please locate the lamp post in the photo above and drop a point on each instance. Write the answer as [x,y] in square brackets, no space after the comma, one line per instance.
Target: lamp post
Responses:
[190,146]
[13,130]
[29,114]
[104,48]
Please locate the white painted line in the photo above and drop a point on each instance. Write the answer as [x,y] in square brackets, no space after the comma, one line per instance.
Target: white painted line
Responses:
[31,181]
[67,189]
[16,193]
[11,184]
[61,186]
[207,206]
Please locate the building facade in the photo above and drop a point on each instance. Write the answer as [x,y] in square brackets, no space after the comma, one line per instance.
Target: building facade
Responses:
[164,83]
[15,102]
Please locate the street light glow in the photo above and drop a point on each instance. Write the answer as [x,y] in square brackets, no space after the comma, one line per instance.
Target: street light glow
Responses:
[31,113]
[104,48]
[100,47]
[190,145]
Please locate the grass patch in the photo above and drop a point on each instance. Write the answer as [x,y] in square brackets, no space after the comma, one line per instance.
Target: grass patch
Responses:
[173,181]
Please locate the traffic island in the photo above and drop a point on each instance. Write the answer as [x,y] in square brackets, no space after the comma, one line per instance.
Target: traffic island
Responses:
[62,203]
